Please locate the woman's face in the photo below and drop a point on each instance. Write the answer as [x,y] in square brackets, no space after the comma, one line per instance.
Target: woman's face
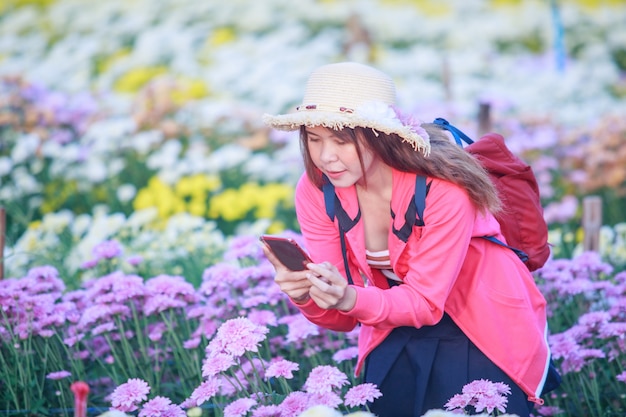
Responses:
[338,157]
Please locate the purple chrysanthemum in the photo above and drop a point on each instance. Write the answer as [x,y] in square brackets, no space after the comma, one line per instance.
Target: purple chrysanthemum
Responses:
[346,354]
[324,378]
[205,391]
[58,375]
[295,403]
[216,363]
[361,394]
[161,407]
[108,249]
[239,408]
[126,396]
[281,368]
[238,336]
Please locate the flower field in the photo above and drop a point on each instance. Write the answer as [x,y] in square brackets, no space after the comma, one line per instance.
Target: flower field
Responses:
[136,177]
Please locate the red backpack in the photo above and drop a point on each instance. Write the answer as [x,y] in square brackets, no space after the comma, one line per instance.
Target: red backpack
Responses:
[521,221]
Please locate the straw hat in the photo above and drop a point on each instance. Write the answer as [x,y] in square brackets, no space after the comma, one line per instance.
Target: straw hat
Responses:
[352,95]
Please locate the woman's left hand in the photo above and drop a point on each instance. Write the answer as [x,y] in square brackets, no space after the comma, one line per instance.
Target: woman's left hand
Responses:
[329,289]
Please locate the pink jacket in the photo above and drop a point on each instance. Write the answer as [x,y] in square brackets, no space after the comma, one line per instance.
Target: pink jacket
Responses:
[485,288]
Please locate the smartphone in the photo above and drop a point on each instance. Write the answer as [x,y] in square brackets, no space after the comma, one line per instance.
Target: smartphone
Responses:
[288,252]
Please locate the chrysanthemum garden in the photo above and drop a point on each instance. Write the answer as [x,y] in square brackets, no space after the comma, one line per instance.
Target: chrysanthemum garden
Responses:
[136,177]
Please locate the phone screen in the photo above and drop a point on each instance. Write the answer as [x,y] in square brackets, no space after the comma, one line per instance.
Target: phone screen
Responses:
[288,252]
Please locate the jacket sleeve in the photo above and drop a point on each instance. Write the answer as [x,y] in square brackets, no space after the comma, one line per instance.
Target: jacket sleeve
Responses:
[429,264]
[322,241]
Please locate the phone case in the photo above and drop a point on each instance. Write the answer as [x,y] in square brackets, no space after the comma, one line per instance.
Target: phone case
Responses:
[288,252]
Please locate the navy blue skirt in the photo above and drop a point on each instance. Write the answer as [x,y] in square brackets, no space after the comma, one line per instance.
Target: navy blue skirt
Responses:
[421,369]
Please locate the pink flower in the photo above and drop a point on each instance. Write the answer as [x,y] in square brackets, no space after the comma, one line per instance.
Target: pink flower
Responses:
[361,394]
[161,407]
[281,368]
[324,378]
[58,375]
[239,408]
[205,391]
[108,249]
[329,399]
[127,396]
[89,264]
[346,354]
[621,377]
[299,328]
[134,260]
[482,394]
[295,403]
[216,363]
[192,343]
[238,336]
[263,317]
[547,411]
[267,411]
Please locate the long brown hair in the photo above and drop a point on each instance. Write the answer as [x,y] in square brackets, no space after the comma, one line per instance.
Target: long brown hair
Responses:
[446,161]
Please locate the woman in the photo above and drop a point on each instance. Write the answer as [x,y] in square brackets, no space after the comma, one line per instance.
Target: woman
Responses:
[443,308]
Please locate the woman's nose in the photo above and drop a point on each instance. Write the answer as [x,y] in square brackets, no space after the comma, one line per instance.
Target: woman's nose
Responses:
[328,153]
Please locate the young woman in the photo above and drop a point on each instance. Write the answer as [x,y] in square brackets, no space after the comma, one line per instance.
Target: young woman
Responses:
[437,311]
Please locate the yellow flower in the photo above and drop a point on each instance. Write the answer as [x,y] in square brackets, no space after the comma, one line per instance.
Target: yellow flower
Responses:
[221,36]
[270,197]
[427,7]
[103,64]
[160,195]
[9,4]
[133,80]
[276,227]
[505,3]
[197,185]
[228,205]
[34,225]
[194,412]
[197,207]
[188,89]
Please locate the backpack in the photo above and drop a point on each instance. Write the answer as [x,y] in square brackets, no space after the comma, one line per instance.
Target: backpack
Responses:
[521,221]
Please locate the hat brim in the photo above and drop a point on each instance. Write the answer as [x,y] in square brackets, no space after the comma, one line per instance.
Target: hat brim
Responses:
[338,121]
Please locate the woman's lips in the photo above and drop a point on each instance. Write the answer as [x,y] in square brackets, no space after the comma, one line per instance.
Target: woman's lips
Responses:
[334,174]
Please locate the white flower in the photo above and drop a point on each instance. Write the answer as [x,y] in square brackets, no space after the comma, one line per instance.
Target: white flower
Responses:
[5,165]
[25,148]
[379,112]
[126,192]
[320,411]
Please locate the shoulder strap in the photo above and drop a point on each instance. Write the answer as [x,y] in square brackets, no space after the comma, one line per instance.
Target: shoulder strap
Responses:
[520,253]
[420,197]
[329,197]
[414,214]
[458,134]
[331,202]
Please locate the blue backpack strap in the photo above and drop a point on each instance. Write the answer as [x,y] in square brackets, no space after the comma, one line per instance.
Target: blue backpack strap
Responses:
[520,253]
[329,197]
[414,215]
[420,197]
[458,134]
[331,201]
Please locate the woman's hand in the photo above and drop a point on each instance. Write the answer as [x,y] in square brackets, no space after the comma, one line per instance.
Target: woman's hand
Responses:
[329,289]
[293,283]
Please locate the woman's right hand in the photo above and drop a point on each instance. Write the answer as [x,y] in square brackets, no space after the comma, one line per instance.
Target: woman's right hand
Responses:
[293,283]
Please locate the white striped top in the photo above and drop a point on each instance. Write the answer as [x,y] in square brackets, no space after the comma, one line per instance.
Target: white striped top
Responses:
[380,260]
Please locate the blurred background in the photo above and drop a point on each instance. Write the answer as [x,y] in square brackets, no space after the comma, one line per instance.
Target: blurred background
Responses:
[136,175]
